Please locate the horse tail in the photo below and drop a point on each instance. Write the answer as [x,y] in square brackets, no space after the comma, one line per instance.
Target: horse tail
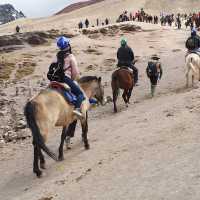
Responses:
[192,66]
[29,112]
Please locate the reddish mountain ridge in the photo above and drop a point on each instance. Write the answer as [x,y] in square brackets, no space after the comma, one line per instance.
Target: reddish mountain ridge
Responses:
[77,6]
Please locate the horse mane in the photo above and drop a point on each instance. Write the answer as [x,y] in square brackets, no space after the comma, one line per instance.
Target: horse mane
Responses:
[86,79]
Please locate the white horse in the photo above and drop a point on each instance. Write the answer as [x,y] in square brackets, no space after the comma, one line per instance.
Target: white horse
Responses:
[193,66]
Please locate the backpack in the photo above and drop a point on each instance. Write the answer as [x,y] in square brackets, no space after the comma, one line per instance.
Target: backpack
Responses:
[190,44]
[152,69]
[56,72]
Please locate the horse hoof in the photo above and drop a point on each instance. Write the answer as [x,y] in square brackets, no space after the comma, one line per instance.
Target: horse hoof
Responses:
[127,105]
[38,173]
[60,158]
[42,166]
[87,147]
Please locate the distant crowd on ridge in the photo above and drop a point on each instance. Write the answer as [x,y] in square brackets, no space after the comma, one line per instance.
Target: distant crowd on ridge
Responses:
[190,20]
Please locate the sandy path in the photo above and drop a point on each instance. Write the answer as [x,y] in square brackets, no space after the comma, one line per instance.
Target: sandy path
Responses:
[146,152]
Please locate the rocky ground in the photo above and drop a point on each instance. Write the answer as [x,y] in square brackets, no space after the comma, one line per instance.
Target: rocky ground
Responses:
[147,151]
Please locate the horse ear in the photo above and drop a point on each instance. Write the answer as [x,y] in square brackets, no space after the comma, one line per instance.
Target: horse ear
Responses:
[99,79]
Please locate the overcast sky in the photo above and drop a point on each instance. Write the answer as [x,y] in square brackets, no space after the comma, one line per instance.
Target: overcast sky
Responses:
[39,8]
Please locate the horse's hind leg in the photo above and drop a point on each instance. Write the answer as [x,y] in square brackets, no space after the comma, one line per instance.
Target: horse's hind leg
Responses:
[129,94]
[84,125]
[42,160]
[114,100]
[187,79]
[192,80]
[36,169]
[125,97]
[199,74]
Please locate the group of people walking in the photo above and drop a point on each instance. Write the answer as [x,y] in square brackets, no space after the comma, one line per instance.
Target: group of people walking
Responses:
[87,23]
[192,20]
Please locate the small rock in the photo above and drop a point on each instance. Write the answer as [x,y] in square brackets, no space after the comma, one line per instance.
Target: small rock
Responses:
[89,170]
[9,136]
[169,115]
[3,113]
[2,143]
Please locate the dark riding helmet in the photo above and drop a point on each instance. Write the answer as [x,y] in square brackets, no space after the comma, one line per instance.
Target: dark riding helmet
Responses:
[63,43]
[155,57]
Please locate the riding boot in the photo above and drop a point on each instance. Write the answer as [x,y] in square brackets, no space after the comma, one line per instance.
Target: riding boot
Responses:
[153,88]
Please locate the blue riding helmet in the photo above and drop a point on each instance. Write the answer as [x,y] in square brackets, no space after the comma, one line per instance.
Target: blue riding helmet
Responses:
[63,43]
[193,32]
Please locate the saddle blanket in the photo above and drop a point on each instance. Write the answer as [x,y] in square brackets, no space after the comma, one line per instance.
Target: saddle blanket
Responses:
[65,91]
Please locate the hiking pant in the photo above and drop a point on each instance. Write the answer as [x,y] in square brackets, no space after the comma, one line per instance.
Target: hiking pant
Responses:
[154,80]
[75,90]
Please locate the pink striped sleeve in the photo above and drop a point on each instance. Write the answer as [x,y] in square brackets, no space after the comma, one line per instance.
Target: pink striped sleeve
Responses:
[74,67]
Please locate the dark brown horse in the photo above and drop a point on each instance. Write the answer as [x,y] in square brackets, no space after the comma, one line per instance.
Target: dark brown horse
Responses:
[122,79]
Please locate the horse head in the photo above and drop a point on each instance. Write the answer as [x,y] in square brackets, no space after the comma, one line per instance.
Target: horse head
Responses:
[93,86]
[99,92]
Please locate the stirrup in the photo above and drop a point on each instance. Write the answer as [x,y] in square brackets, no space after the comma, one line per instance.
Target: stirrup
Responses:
[78,113]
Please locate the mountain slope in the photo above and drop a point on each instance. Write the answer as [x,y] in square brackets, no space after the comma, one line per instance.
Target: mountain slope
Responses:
[78,5]
[173,5]
[8,13]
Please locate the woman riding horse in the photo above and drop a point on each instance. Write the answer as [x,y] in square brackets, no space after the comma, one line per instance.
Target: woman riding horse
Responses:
[70,71]
[50,108]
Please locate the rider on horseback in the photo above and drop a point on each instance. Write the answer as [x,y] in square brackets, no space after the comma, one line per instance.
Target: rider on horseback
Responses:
[126,58]
[193,42]
[71,71]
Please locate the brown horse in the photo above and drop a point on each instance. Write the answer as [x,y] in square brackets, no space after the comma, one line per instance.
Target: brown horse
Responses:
[122,79]
[49,109]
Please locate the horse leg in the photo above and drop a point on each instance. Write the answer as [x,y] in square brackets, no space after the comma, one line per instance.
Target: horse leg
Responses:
[199,74]
[129,94]
[42,160]
[66,132]
[125,94]
[63,136]
[84,125]
[192,80]
[187,79]
[36,169]
[114,100]
[70,134]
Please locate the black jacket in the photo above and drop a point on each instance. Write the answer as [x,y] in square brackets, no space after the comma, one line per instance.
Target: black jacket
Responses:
[125,56]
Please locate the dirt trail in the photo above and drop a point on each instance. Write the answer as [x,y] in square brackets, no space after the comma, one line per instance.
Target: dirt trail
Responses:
[149,151]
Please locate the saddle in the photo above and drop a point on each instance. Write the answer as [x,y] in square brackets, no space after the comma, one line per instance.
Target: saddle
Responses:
[64,90]
[126,68]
